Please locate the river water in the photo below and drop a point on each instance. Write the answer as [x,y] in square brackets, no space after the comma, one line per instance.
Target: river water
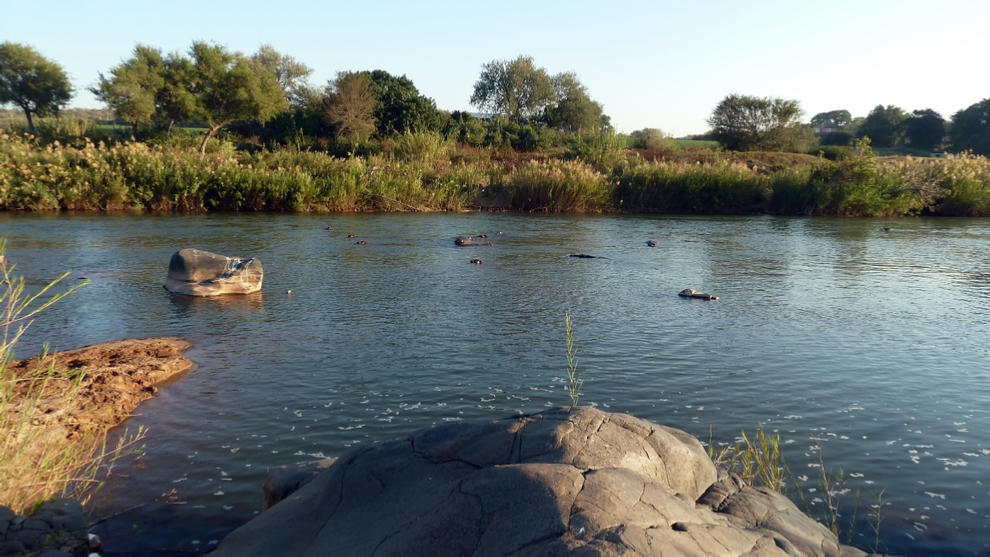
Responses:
[871,345]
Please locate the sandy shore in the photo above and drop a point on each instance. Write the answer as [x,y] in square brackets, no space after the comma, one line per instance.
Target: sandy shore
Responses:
[118,376]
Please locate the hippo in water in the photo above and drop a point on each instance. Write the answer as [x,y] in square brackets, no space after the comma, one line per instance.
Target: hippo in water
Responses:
[361,243]
[651,243]
[585,256]
[477,261]
[692,293]
[463,240]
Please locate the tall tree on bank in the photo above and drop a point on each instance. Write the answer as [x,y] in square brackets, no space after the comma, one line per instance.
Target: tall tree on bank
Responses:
[400,107]
[349,106]
[574,111]
[970,129]
[884,125]
[926,129]
[175,101]
[32,82]
[841,118]
[745,123]
[289,72]
[133,87]
[228,87]
[516,89]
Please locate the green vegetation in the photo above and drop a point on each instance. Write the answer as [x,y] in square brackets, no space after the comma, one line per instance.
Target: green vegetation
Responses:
[37,461]
[32,82]
[745,123]
[574,381]
[427,171]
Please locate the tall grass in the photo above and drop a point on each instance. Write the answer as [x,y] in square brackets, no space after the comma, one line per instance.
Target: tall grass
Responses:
[423,171]
[557,187]
[37,461]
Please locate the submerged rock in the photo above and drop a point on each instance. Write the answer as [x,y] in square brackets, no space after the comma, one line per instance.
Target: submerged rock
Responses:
[195,272]
[561,482]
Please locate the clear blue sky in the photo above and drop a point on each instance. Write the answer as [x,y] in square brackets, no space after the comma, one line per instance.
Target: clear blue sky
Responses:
[661,64]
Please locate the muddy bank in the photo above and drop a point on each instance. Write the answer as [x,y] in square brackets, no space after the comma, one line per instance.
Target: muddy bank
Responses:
[116,377]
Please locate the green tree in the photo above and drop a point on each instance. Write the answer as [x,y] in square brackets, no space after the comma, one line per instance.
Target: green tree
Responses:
[884,125]
[517,89]
[970,129]
[745,123]
[651,139]
[32,82]
[350,104]
[228,88]
[839,117]
[400,108]
[133,87]
[925,129]
[574,111]
[175,101]
[289,72]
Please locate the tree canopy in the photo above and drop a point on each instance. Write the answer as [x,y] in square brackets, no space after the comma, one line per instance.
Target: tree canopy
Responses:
[970,129]
[839,117]
[516,89]
[133,87]
[289,72]
[32,82]
[574,110]
[746,123]
[350,105]
[884,125]
[227,88]
[400,108]
[926,129]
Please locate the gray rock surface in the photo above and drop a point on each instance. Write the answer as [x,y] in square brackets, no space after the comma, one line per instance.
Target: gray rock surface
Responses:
[57,527]
[565,481]
[195,272]
[286,480]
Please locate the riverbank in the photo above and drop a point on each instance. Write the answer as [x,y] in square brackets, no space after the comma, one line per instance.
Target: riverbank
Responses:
[420,172]
[64,404]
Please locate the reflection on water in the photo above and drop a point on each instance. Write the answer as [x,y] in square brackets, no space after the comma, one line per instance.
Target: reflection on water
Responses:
[833,333]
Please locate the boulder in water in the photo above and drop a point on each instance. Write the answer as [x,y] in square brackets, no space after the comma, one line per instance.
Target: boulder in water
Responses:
[195,272]
[567,481]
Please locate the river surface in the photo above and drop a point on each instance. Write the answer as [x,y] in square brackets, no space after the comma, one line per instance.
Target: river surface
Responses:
[871,345]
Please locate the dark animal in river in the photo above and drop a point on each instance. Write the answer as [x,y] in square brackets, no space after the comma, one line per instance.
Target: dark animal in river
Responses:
[651,243]
[463,240]
[886,229]
[328,228]
[362,243]
[585,256]
[477,261]
[692,293]
[351,236]
[482,235]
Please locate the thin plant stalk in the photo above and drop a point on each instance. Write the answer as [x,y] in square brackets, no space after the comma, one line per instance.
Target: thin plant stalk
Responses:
[574,381]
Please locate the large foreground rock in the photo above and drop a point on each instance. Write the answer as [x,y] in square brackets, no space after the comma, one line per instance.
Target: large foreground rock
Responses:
[561,482]
[195,272]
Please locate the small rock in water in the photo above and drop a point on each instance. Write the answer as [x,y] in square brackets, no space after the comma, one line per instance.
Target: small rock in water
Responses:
[585,256]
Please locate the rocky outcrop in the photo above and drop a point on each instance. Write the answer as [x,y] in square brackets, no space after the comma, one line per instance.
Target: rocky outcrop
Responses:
[57,528]
[195,272]
[561,482]
[104,382]
[287,480]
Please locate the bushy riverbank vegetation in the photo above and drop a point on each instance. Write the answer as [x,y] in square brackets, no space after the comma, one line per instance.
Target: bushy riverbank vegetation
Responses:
[67,170]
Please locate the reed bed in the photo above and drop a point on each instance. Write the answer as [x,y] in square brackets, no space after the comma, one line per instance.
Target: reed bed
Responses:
[425,172]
